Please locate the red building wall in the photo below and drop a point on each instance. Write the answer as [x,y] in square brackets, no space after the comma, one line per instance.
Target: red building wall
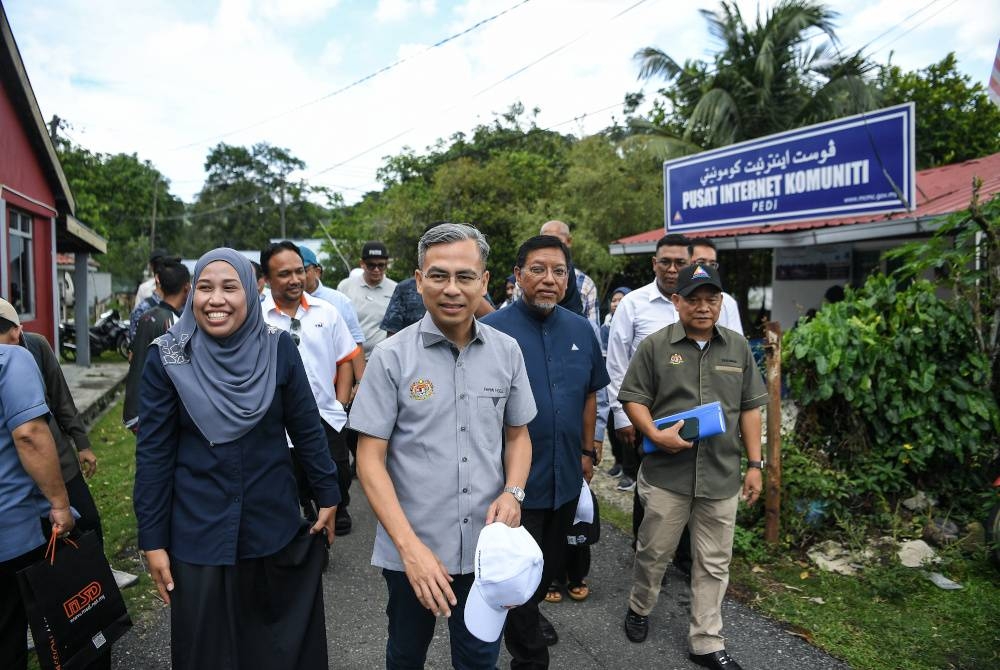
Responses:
[21,172]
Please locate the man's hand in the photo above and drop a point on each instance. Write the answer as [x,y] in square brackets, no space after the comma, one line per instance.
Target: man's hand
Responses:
[429,579]
[626,435]
[599,448]
[504,509]
[158,563]
[62,520]
[752,486]
[588,467]
[669,439]
[325,519]
[88,462]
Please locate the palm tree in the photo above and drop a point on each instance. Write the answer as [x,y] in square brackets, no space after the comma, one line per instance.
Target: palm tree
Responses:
[766,78]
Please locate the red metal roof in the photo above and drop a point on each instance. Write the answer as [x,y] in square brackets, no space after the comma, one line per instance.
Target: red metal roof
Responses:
[940,191]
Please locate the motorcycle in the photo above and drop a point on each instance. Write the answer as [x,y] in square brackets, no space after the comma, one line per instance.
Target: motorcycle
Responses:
[107,334]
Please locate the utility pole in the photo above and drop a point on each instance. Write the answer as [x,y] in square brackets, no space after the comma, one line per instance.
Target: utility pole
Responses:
[282,210]
[54,128]
[152,221]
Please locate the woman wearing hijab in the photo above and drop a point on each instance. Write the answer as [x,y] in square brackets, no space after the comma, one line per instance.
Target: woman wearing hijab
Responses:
[215,493]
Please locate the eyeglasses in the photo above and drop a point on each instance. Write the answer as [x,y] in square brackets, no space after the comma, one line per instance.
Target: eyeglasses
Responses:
[540,271]
[376,266]
[667,262]
[444,278]
[295,330]
[711,264]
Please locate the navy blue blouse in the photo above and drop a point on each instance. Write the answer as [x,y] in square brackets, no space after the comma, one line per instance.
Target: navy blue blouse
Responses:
[216,504]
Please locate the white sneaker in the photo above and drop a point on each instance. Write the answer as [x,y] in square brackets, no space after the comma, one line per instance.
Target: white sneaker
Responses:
[124,579]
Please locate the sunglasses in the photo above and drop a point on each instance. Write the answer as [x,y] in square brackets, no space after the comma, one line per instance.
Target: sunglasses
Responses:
[295,331]
[376,266]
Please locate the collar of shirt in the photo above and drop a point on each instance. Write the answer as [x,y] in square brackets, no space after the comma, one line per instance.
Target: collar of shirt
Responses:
[269,304]
[653,292]
[430,334]
[678,333]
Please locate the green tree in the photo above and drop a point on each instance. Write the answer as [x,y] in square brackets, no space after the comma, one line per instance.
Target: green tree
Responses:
[248,198]
[956,121]
[767,77]
[114,194]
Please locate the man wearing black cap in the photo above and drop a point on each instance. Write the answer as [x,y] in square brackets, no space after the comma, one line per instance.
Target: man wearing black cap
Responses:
[370,292]
[686,364]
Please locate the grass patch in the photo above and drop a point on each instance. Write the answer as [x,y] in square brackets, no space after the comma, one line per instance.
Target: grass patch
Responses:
[111,487]
[112,490]
[889,617]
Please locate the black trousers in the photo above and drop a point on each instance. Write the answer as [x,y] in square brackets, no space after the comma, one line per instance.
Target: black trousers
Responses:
[617,448]
[523,635]
[13,618]
[260,614]
[341,458]
[81,500]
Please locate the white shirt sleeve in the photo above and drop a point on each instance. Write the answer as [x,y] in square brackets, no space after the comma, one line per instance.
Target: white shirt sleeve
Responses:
[619,347]
[730,317]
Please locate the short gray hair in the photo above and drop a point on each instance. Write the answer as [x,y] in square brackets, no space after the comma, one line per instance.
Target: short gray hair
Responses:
[446,233]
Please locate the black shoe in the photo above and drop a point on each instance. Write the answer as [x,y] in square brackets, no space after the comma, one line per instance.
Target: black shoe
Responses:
[615,470]
[636,626]
[342,525]
[719,660]
[549,633]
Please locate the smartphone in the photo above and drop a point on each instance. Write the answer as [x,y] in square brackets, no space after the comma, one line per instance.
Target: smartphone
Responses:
[689,431]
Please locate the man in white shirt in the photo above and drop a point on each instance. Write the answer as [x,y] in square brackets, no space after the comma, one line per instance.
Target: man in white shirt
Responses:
[370,292]
[327,350]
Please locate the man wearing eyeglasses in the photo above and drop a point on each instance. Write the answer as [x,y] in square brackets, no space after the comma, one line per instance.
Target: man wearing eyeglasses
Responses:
[703,251]
[444,450]
[564,355]
[370,292]
[327,349]
[698,483]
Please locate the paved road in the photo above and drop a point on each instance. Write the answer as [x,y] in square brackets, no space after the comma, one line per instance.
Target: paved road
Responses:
[591,633]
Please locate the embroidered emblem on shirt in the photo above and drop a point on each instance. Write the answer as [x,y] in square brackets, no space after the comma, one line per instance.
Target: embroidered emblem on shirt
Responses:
[676,359]
[574,347]
[422,389]
[700,273]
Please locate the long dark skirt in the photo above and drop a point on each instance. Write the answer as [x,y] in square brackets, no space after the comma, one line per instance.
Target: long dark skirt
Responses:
[264,613]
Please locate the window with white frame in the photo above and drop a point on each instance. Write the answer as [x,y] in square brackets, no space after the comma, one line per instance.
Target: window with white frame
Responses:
[21,273]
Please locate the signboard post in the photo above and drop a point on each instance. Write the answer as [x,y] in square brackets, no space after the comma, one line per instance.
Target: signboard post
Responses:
[862,164]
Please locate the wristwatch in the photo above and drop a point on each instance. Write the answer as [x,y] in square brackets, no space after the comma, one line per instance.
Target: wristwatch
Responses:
[515,491]
[760,465]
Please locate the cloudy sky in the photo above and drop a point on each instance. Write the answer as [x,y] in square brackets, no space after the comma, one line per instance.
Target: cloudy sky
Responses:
[168,79]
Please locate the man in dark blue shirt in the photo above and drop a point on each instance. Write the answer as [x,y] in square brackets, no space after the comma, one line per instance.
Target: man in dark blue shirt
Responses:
[562,351]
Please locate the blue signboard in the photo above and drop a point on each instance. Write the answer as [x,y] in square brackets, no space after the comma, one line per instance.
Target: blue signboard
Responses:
[849,167]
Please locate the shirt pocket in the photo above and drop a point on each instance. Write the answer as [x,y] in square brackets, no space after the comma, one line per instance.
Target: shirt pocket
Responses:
[489,415]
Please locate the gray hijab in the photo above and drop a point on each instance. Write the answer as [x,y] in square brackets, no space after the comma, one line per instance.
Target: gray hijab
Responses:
[226,384]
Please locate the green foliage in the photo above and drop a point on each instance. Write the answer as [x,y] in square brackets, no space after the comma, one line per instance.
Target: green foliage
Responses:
[955,119]
[248,199]
[895,393]
[765,78]
[114,194]
[507,178]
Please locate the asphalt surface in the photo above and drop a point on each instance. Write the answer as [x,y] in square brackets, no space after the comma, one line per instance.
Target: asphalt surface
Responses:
[591,634]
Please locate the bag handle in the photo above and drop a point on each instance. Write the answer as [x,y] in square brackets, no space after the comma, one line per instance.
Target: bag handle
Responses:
[50,550]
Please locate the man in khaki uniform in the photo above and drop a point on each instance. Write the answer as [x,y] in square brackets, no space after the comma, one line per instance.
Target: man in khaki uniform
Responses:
[686,364]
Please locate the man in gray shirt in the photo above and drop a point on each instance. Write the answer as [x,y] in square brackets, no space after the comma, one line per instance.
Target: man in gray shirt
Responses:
[370,292]
[442,414]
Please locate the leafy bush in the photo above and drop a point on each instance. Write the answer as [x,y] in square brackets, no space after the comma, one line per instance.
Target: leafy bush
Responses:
[895,395]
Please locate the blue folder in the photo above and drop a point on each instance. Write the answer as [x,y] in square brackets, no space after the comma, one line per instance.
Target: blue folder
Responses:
[711,421]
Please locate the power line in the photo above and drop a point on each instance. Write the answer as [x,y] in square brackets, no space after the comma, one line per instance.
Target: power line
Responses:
[508,77]
[356,82]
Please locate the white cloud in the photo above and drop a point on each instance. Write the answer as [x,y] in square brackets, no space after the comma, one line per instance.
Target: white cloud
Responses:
[156,80]
[397,10]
